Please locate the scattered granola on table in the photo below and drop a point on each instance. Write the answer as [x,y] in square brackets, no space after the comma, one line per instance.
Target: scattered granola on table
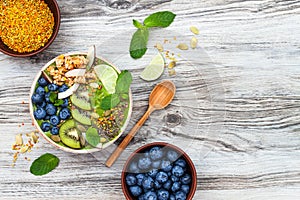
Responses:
[21,148]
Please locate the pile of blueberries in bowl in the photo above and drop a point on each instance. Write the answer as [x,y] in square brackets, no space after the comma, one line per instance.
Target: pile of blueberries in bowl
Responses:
[47,112]
[159,171]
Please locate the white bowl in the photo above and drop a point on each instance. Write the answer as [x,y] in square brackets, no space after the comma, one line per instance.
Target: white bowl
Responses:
[65,148]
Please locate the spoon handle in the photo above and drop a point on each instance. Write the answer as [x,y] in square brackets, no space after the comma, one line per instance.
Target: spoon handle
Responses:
[114,156]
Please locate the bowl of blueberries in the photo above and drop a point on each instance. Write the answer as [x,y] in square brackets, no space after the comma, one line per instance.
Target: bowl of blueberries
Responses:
[159,171]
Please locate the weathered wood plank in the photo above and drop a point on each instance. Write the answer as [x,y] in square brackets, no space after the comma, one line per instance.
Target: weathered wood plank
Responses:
[237,105]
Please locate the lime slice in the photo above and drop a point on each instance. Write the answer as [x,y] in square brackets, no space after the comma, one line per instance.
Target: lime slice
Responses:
[155,69]
[108,76]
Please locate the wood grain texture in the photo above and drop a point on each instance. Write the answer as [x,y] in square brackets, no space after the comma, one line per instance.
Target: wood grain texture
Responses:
[235,111]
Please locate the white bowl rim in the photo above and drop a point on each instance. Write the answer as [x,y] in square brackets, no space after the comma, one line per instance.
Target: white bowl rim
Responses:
[68,149]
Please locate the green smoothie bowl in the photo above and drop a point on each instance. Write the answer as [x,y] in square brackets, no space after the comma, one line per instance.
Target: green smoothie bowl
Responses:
[81,103]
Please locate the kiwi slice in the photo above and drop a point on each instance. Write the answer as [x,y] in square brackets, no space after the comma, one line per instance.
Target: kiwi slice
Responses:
[80,102]
[81,117]
[70,135]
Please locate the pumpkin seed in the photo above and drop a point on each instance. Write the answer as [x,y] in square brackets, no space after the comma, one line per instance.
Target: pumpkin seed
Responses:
[102,140]
[183,46]
[194,42]
[55,138]
[194,30]
[172,65]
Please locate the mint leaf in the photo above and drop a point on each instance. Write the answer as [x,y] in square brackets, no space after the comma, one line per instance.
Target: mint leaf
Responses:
[110,101]
[58,102]
[92,136]
[137,24]
[160,19]
[52,97]
[138,44]
[123,82]
[44,164]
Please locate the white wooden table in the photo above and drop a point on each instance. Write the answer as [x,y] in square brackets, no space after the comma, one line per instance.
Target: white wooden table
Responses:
[236,110]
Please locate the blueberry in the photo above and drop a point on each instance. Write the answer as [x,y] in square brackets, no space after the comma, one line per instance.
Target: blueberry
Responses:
[140,178]
[156,153]
[40,90]
[146,154]
[172,155]
[167,185]
[47,97]
[185,188]
[130,179]
[147,183]
[166,165]
[186,179]
[163,195]
[63,88]
[157,185]
[52,87]
[41,105]
[156,164]
[43,82]
[177,171]
[174,178]
[162,177]
[172,197]
[180,195]
[176,186]
[150,196]
[135,190]
[39,113]
[133,168]
[141,197]
[37,98]
[181,163]
[64,113]
[54,130]
[45,126]
[66,103]
[153,172]
[51,109]
[47,117]
[144,163]
[54,120]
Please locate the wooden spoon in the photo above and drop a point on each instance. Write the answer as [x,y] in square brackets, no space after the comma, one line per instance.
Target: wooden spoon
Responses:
[160,97]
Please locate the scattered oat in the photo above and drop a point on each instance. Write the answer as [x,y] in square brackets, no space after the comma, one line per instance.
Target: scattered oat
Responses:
[20,147]
[183,46]
[172,72]
[19,139]
[194,30]
[159,47]
[174,38]
[194,42]
[24,149]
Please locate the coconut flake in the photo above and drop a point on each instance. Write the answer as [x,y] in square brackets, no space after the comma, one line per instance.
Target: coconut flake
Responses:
[68,92]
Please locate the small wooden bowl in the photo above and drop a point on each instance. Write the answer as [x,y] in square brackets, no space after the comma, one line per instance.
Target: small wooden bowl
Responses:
[53,6]
[190,167]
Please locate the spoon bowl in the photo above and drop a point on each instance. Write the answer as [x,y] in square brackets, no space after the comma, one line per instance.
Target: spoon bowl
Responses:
[162,95]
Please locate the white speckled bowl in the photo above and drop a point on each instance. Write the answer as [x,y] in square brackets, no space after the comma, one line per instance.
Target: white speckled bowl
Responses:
[65,148]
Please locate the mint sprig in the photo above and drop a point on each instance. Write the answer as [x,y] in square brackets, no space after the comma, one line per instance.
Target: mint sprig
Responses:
[122,87]
[44,164]
[139,40]
[160,19]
